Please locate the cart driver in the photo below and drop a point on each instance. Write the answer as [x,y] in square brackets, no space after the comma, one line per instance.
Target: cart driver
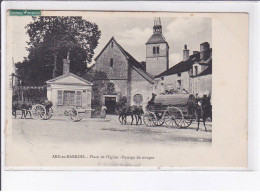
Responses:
[46,103]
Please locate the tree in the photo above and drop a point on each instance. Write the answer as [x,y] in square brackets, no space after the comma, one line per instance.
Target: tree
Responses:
[99,80]
[51,38]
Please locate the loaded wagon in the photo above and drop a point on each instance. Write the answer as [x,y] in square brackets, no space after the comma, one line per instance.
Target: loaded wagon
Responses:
[175,110]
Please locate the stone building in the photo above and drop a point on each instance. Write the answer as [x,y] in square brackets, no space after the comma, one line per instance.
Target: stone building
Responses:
[157,51]
[69,90]
[191,75]
[126,76]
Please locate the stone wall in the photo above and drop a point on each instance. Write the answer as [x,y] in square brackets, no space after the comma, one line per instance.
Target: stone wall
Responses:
[171,82]
[119,68]
[156,63]
[140,85]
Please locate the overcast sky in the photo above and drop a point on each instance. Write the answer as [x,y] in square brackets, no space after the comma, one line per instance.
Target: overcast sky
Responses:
[133,33]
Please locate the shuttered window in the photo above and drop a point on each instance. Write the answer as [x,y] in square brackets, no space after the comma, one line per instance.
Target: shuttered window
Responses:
[78,99]
[60,97]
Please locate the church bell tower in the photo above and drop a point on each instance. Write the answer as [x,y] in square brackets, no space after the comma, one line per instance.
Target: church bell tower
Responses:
[157,51]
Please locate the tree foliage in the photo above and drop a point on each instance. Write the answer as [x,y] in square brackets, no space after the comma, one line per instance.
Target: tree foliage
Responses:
[99,80]
[50,40]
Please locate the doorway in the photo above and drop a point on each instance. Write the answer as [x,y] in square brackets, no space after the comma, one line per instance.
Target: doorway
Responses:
[110,103]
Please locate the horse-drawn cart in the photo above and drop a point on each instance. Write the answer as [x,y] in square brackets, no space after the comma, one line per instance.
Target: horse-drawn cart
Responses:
[75,114]
[175,110]
[39,111]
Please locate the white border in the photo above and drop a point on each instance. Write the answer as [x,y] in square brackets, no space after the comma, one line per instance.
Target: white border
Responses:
[153,179]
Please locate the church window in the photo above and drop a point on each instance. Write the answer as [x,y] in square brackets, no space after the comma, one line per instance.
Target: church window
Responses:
[154,50]
[110,88]
[158,50]
[138,99]
[111,62]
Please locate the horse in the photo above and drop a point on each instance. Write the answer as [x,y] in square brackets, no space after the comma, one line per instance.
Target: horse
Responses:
[126,111]
[138,112]
[133,111]
[25,107]
[204,110]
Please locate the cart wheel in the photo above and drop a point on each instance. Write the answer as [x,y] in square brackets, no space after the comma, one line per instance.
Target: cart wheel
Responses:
[49,115]
[173,117]
[149,119]
[38,111]
[73,115]
[159,121]
[186,122]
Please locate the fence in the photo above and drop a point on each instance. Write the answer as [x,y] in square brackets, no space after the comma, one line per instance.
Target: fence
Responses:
[31,94]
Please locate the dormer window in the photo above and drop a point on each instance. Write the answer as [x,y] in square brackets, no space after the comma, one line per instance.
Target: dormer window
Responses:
[111,62]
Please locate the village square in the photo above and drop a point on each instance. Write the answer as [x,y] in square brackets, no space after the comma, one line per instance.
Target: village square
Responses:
[117,99]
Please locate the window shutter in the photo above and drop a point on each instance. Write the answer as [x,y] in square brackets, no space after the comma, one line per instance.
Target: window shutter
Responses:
[60,97]
[78,98]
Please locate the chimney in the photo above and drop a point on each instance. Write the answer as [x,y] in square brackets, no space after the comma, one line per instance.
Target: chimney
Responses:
[186,53]
[66,65]
[204,47]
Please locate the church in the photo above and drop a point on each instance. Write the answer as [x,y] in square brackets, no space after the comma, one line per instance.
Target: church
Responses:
[136,81]
[127,77]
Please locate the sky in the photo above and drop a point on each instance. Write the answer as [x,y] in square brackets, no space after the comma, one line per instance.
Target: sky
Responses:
[133,32]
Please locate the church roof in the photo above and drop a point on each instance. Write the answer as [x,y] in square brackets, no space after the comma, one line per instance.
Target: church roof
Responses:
[156,38]
[136,65]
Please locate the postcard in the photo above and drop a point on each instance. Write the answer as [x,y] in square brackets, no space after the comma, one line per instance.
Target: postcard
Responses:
[126,90]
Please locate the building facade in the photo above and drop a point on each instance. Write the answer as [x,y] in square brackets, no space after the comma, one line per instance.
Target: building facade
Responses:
[126,76]
[69,90]
[192,75]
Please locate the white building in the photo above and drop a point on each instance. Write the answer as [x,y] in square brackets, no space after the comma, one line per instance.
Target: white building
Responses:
[69,90]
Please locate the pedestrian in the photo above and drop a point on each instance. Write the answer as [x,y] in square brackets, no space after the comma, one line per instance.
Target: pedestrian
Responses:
[103,113]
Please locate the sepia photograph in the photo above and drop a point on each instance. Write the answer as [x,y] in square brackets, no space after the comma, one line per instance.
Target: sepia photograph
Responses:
[109,89]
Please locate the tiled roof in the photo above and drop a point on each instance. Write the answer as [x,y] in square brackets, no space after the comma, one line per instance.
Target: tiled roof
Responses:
[66,75]
[181,66]
[156,38]
[187,65]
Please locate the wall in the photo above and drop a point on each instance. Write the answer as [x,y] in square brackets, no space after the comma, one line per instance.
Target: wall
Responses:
[156,63]
[171,81]
[119,69]
[202,85]
[140,85]
[52,94]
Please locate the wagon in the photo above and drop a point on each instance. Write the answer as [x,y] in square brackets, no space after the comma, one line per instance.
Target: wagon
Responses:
[74,113]
[39,112]
[171,110]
